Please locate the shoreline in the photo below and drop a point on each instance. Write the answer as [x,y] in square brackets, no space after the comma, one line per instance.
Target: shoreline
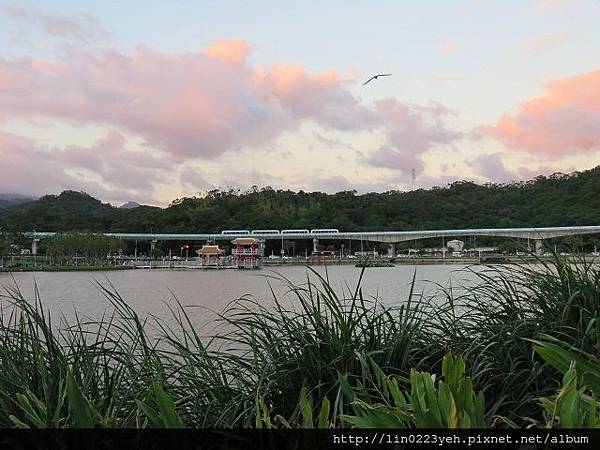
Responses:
[266,263]
[65,269]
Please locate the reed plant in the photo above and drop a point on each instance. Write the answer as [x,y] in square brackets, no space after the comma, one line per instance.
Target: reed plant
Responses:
[315,356]
[318,338]
[491,321]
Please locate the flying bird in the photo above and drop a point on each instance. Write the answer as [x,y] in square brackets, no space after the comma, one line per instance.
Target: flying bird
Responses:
[374,77]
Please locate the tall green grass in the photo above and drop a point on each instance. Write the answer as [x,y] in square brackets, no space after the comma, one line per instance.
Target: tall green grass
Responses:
[314,357]
[320,339]
[491,322]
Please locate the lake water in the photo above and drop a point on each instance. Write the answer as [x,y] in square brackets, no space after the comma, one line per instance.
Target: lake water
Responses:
[147,291]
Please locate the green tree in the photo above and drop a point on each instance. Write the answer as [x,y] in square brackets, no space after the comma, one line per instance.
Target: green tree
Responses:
[5,242]
[90,248]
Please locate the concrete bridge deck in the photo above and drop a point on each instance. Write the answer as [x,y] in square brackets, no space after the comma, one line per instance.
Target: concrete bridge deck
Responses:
[373,236]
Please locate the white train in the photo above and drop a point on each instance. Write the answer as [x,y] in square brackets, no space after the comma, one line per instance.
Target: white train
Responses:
[300,231]
[235,232]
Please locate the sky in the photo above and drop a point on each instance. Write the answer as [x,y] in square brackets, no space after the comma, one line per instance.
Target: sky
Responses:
[150,101]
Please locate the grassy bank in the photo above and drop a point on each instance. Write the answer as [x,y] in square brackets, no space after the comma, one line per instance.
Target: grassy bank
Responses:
[501,351]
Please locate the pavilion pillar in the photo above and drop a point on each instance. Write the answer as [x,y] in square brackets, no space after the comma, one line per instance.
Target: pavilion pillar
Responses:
[34,244]
[315,245]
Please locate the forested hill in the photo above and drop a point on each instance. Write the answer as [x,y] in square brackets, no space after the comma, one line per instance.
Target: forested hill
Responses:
[558,200]
[8,201]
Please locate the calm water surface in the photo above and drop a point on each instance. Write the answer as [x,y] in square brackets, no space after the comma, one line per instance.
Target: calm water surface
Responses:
[148,291]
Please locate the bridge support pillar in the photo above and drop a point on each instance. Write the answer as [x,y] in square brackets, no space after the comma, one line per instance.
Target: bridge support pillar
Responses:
[539,246]
[391,250]
[34,245]
[315,245]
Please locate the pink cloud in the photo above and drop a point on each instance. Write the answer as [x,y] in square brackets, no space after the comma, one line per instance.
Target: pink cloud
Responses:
[492,167]
[117,166]
[391,157]
[81,28]
[320,97]
[565,119]
[202,104]
[228,51]
[527,173]
[186,106]
[190,105]
[412,130]
[194,180]
[29,168]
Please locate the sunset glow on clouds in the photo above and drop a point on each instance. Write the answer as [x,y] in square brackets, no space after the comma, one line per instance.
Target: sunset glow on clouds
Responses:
[564,119]
[169,123]
[201,105]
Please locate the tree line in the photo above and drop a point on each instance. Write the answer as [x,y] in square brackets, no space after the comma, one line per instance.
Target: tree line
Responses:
[86,248]
[557,200]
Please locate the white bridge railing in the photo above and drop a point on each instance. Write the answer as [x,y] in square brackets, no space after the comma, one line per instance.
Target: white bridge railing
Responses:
[374,236]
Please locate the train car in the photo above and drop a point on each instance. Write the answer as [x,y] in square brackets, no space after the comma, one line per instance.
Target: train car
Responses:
[235,232]
[295,231]
[325,231]
[265,232]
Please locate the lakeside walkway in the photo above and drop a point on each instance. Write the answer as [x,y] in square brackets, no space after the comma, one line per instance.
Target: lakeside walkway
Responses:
[267,262]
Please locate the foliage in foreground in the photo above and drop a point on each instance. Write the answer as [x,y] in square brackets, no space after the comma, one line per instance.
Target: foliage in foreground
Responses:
[446,403]
[572,406]
[491,324]
[514,349]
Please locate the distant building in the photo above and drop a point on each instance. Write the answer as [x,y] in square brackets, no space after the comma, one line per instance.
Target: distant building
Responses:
[456,245]
[210,255]
[247,252]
